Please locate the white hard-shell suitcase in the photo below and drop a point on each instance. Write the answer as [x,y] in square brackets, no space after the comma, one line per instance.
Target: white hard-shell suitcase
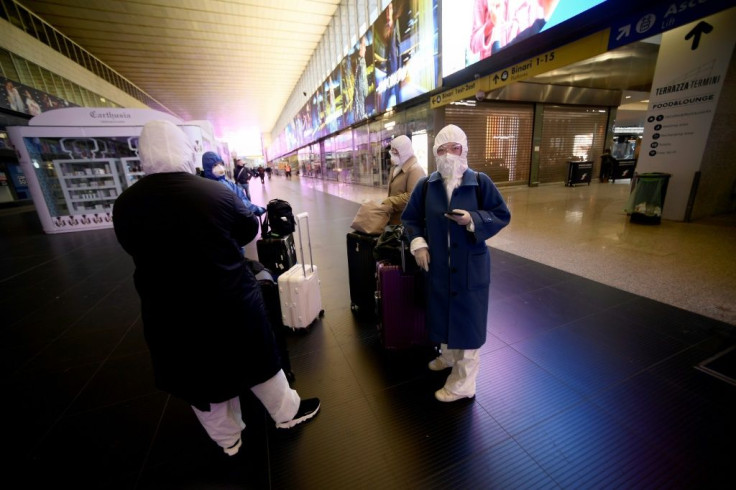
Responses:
[301,301]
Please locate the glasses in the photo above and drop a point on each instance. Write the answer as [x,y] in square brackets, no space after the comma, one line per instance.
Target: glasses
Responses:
[394,151]
[451,148]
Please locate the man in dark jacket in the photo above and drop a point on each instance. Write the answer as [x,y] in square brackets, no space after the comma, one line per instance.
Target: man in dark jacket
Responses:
[204,318]
[242,176]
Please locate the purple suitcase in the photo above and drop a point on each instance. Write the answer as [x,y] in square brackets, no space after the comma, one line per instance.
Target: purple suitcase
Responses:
[401,309]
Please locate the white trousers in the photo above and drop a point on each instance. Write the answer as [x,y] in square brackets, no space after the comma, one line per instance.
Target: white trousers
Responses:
[465,366]
[224,421]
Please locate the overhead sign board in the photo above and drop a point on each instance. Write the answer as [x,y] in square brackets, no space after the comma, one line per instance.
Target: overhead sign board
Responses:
[691,72]
[661,18]
[553,59]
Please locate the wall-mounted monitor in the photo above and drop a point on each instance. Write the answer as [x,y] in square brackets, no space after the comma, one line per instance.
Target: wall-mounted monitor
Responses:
[473,30]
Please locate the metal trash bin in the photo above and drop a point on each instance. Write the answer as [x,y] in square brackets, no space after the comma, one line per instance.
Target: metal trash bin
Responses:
[578,172]
[646,200]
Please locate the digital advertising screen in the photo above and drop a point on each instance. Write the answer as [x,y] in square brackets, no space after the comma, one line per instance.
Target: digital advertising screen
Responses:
[393,61]
[404,51]
[22,98]
[332,97]
[359,88]
[473,30]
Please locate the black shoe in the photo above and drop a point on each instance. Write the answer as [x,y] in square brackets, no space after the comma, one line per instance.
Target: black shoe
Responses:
[307,409]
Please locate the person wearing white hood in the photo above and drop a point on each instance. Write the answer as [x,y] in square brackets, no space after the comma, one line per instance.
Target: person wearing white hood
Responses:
[449,217]
[204,318]
[404,175]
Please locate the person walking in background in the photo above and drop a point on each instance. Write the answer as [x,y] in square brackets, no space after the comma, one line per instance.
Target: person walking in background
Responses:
[242,176]
[204,319]
[214,168]
[607,165]
[261,174]
[404,174]
[287,171]
[448,223]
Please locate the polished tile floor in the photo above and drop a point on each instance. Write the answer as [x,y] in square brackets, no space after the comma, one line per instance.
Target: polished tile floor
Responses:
[587,380]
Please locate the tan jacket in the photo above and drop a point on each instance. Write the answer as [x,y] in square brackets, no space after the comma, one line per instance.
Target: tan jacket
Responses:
[400,187]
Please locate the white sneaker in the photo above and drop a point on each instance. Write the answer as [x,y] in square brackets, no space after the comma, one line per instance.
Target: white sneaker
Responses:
[439,364]
[233,450]
[444,395]
[307,409]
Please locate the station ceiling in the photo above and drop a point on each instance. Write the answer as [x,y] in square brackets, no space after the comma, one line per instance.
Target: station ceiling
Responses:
[231,62]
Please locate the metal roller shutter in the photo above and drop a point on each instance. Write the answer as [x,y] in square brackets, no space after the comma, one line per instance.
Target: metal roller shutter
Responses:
[499,138]
[570,133]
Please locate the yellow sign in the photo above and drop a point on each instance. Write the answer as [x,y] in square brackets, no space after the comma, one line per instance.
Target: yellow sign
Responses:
[551,60]
[459,93]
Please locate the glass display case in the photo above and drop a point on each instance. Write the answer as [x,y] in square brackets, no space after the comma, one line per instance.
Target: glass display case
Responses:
[88,185]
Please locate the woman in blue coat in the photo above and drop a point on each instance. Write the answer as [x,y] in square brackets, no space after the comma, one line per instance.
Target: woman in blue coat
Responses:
[449,217]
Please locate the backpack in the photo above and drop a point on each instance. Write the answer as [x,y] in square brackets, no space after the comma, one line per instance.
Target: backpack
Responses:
[279,218]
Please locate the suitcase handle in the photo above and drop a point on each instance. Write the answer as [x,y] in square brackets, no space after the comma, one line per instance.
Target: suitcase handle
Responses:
[299,217]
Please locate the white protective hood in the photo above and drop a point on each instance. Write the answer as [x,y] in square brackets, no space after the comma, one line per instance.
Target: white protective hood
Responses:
[164,148]
[451,134]
[402,144]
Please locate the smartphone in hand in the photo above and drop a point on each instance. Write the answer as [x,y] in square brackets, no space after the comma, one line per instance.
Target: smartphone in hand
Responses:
[453,213]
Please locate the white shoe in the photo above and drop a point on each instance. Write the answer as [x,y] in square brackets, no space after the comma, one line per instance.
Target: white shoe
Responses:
[444,395]
[233,450]
[439,364]
[307,409]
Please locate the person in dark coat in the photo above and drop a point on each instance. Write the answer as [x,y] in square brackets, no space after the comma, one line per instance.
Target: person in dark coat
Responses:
[204,318]
[459,272]
[242,176]
[607,165]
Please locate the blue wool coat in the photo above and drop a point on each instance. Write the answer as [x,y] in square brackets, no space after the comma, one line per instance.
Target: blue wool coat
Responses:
[459,274]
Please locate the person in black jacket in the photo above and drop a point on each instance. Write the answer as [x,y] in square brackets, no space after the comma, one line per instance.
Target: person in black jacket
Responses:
[184,234]
[242,176]
[608,162]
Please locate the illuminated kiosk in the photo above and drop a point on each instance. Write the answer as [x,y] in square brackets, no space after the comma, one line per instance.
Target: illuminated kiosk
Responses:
[78,160]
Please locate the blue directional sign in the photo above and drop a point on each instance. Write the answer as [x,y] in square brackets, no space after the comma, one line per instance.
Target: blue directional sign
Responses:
[660,18]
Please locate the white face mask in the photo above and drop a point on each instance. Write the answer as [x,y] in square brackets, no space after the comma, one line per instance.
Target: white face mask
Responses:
[218,170]
[395,160]
[449,165]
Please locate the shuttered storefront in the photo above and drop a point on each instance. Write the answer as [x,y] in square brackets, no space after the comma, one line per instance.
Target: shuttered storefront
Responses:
[499,138]
[570,133]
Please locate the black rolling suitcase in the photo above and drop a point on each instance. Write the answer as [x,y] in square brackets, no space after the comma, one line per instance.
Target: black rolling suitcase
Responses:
[276,253]
[362,272]
[270,292]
